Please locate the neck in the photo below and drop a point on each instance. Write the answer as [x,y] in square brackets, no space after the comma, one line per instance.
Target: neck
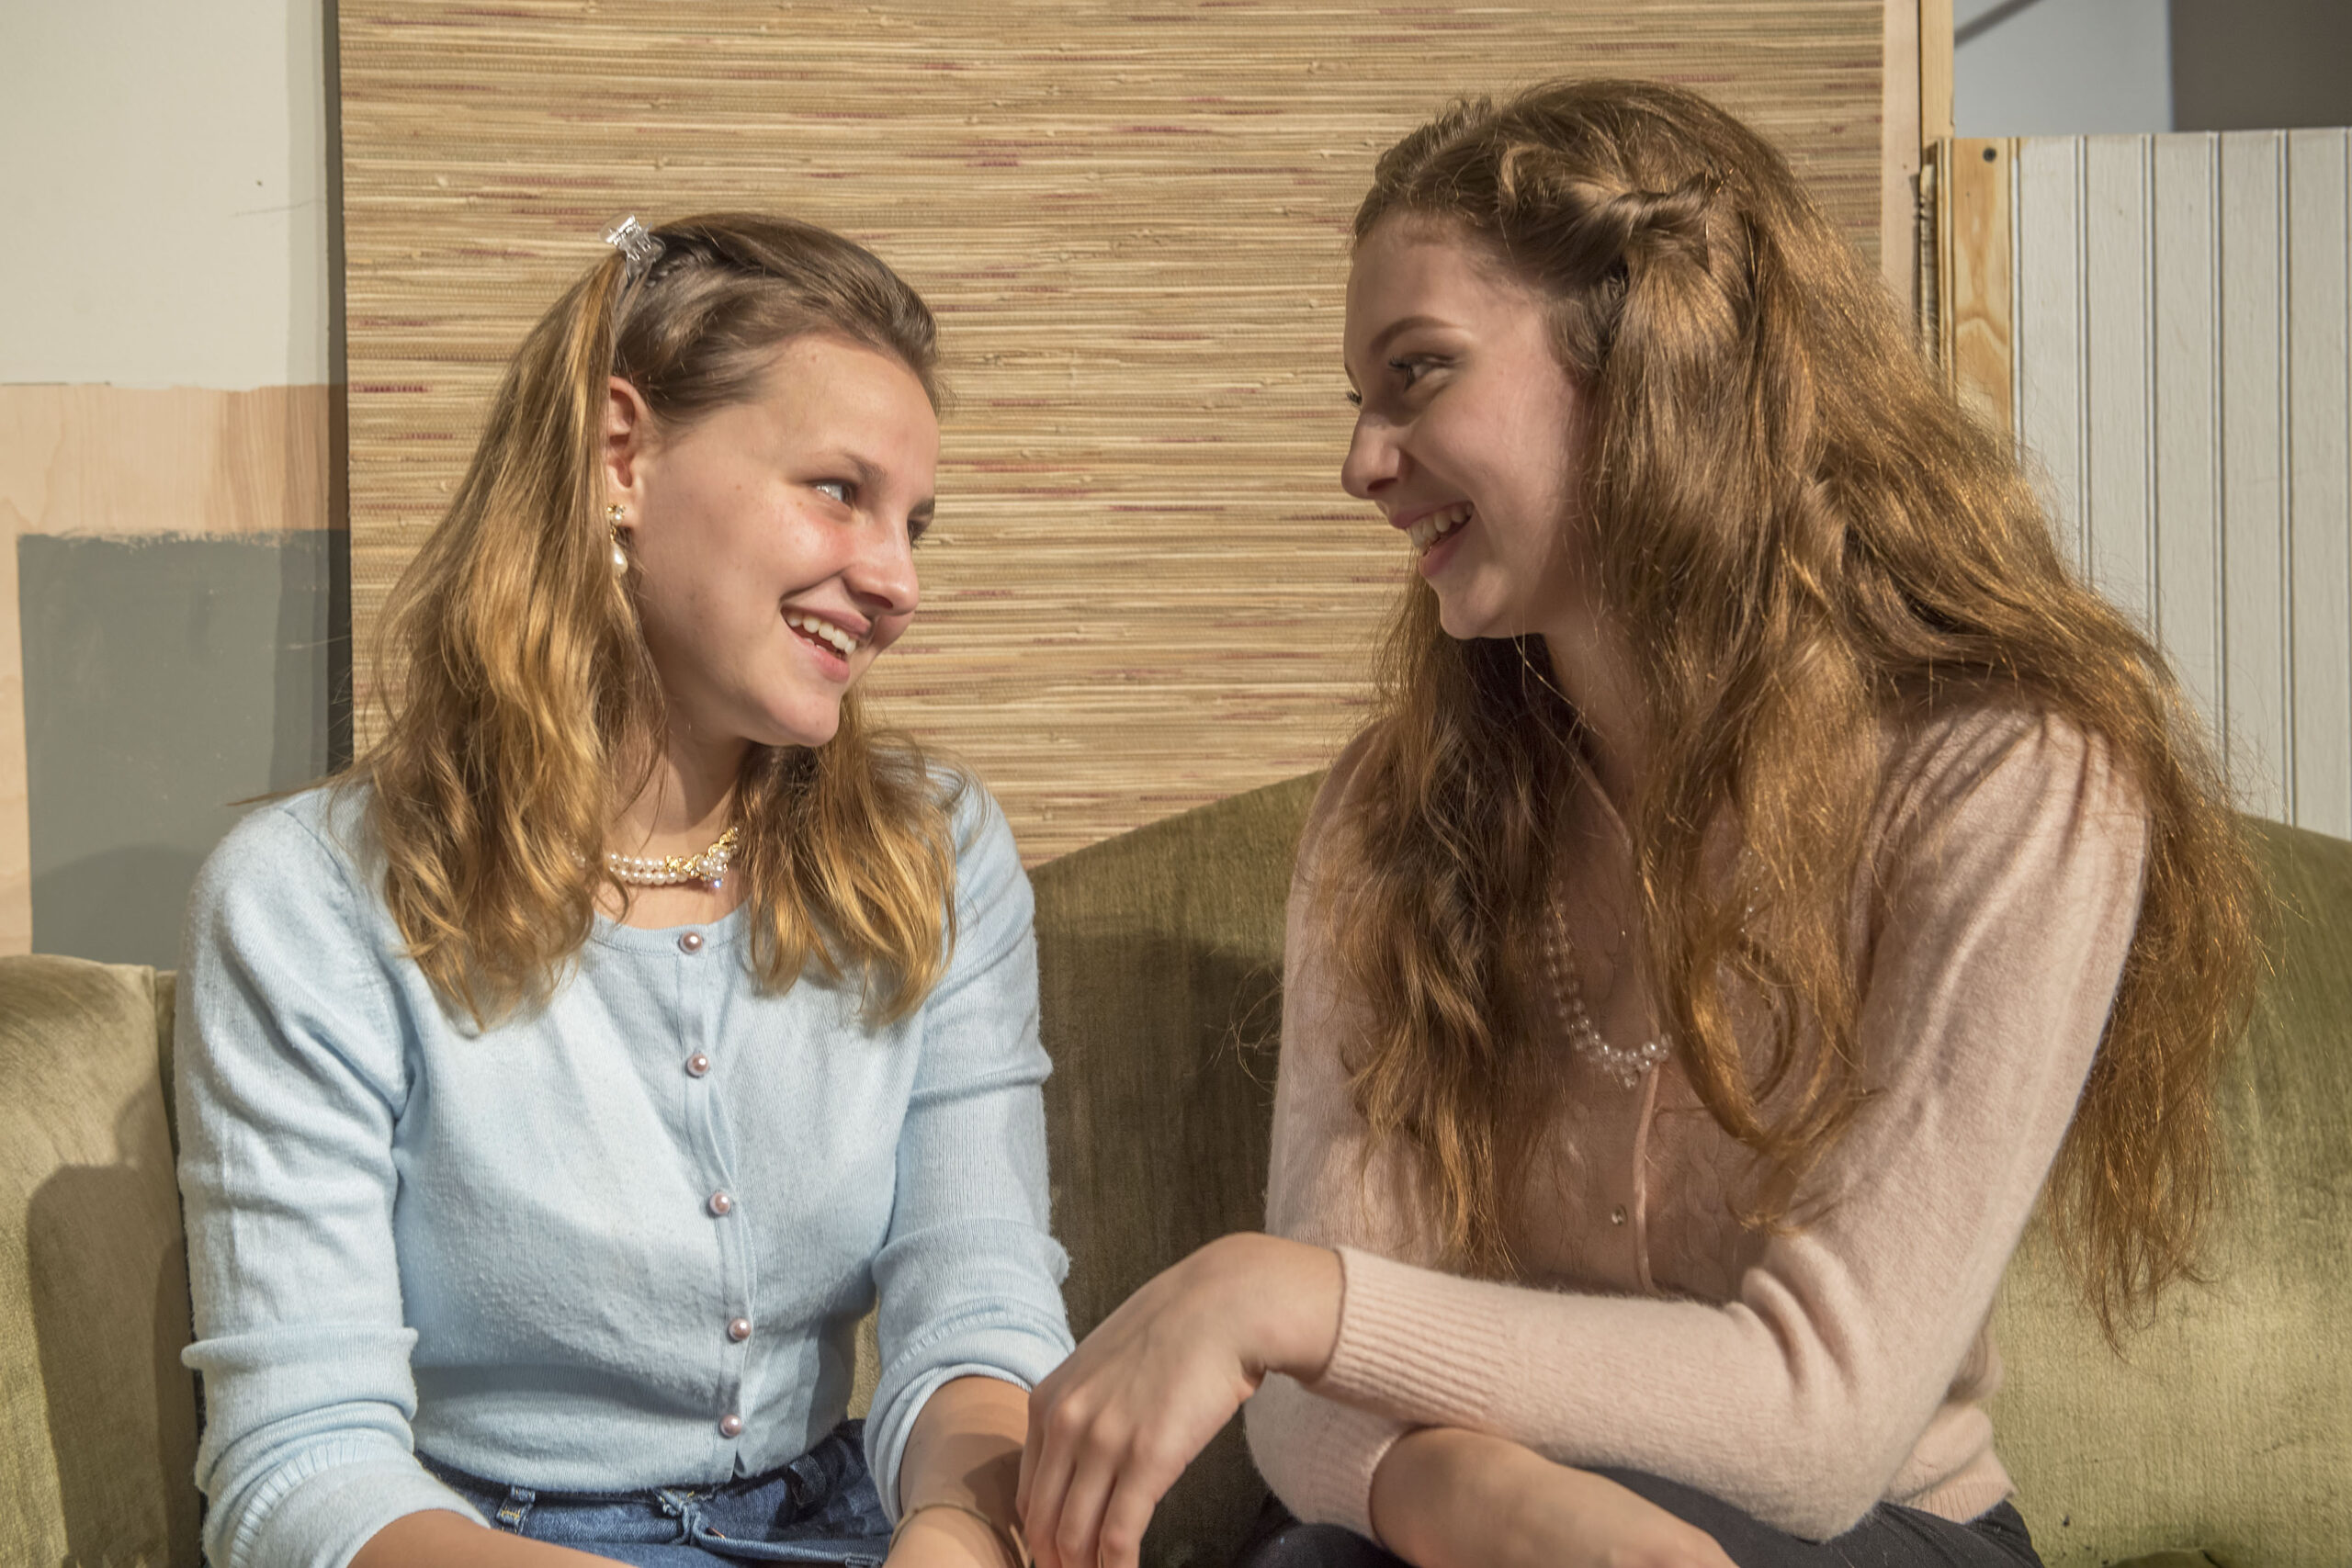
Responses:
[1594,669]
[687,800]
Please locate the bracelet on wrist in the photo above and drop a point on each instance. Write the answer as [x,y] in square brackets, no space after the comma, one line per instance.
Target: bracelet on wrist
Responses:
[1016,1551]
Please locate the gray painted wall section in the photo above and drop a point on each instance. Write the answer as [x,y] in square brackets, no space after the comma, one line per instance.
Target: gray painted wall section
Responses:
[2260,64]
[165,679]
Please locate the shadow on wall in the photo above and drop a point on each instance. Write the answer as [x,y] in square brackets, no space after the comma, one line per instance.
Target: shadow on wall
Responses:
[165,679]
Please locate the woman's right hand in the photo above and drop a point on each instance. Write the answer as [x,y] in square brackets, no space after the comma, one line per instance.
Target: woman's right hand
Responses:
[1114,1425]
[1447,1498]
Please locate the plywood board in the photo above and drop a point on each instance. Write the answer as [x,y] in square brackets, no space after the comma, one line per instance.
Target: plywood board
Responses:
[78,461]
[1148,591]
[1935,71]
[1974,295]
[1903,143]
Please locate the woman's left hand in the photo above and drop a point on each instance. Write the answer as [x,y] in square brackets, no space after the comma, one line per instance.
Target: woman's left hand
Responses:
[1114,1425]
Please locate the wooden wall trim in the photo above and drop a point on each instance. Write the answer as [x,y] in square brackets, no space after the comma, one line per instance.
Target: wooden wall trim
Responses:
[1900,145]
[1918,114]
[1975,332]
[1935,72]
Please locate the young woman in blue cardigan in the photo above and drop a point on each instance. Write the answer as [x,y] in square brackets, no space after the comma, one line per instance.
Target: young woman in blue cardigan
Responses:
[561,1084]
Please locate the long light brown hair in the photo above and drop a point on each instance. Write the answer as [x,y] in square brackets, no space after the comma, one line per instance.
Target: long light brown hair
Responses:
[530,712]
[1801,534]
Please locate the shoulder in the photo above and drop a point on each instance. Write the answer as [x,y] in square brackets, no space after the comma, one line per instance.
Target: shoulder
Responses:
[988,862]
[1960,748]
[2005,766]
[977,824]
[1342,791]
[322,831]
[300,864]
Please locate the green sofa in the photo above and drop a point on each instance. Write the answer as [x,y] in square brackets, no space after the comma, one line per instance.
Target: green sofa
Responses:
[2224,1437]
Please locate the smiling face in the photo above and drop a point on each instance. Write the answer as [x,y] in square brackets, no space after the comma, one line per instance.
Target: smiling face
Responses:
[1470,433]
[771,539]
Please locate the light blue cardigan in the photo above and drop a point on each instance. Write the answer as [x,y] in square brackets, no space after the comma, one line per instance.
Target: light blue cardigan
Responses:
[507,1250]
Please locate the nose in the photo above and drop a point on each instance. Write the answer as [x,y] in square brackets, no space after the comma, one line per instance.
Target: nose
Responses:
[1375,459]
[882,574]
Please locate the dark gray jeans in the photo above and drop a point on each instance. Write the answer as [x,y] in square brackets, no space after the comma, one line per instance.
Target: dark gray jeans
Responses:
[1888,1536]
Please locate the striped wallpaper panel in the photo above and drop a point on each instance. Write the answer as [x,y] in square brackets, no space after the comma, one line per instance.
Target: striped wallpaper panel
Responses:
[2182,378]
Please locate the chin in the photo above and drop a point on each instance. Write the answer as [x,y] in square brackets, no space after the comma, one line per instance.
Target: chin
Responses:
[812,728]
[1463,625]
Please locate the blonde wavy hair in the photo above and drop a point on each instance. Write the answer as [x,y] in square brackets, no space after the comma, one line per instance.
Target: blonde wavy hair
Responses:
[1803,535]
[530,713]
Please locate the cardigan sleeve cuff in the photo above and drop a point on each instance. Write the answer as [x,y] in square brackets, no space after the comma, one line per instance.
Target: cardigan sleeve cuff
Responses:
[1014,1347]
[1417,1344]
[1318,1456]
[327,1506]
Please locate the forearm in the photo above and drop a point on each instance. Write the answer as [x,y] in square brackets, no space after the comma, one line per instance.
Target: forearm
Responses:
[1282,1295]
[1430,1496]
[964,1451]
[437,1539]
[1446,1498]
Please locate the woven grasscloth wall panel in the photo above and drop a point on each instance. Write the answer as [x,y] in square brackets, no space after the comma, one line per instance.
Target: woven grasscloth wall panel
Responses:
[1147,590]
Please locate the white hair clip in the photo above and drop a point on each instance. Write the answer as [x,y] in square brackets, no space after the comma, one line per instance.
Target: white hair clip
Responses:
[639,250]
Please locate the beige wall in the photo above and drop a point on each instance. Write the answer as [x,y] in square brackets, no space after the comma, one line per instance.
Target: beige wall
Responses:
[165,331]
[166,190]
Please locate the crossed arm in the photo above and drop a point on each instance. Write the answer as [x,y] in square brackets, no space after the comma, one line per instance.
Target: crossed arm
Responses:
[1111,1430]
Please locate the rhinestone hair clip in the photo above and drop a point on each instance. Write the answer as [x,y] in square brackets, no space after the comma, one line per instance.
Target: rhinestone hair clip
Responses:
[639,250]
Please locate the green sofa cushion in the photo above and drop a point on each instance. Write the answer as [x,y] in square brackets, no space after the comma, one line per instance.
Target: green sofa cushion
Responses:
[2229,1424]
[97,1441]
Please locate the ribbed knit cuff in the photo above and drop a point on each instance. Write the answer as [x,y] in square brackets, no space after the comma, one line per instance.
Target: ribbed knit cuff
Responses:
[1983,1485]
[1416,1344]
[1328,1454]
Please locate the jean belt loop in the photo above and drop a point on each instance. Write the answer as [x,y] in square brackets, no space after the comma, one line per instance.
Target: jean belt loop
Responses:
[516,1508]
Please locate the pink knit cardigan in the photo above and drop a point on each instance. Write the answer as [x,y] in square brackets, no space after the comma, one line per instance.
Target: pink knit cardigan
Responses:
[1803,1377]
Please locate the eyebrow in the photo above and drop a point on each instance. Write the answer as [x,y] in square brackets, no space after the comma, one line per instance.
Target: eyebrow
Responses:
[1388,333]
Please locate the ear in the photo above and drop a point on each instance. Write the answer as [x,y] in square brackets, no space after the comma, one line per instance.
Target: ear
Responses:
[628,442]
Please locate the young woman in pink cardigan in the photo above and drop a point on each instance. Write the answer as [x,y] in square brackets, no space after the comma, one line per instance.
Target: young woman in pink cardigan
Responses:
[1766,866]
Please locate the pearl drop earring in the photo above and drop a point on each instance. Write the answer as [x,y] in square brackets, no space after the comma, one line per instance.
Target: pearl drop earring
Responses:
[614,516]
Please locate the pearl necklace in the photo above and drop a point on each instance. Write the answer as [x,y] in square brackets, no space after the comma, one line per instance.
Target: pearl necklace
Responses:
[1623,1066]
[669,871]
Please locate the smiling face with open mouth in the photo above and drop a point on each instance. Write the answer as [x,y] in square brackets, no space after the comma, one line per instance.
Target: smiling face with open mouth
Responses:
[771,540]
[1469,431]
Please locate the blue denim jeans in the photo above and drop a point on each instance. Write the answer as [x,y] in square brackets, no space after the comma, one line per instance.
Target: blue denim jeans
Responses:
[820,1509]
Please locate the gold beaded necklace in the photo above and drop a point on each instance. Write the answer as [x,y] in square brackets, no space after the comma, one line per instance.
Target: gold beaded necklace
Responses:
[709,867]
